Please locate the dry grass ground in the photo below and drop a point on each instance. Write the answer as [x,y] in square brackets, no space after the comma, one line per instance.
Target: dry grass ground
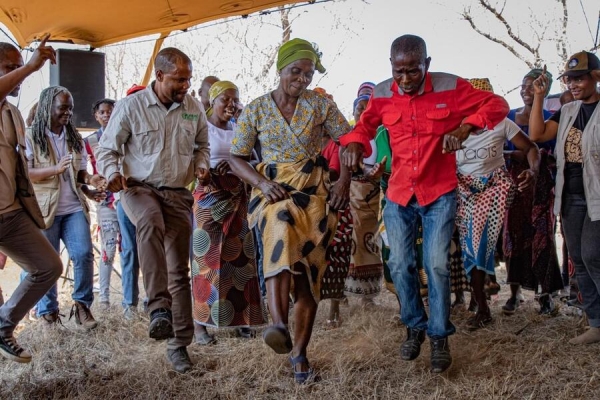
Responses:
[519,357]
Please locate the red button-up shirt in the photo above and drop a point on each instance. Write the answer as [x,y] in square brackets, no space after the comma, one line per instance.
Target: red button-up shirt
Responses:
[417,125]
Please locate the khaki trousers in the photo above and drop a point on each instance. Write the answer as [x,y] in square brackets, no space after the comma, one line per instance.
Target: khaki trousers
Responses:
[23,241]
[163,229]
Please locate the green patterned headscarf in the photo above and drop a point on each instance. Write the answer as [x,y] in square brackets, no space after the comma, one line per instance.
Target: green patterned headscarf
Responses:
[535,73]
[298,49]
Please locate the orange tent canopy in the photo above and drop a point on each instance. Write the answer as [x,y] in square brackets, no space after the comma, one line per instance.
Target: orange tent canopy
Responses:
[102,22]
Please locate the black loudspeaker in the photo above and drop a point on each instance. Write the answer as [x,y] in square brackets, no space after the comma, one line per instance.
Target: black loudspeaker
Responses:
[82,72]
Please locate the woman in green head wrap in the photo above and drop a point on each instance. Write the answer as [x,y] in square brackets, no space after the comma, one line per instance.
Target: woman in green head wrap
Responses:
[292,195]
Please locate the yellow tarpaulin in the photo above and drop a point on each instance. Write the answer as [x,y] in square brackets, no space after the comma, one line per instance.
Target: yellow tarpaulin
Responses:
[99,23]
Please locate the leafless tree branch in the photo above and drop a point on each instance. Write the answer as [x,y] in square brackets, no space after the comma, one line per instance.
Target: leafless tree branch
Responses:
[467,17]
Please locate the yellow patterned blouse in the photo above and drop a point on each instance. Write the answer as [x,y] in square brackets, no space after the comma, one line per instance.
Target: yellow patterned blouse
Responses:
[281,142]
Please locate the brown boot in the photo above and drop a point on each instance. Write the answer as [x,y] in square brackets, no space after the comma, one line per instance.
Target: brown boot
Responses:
[51,320]
[83,316]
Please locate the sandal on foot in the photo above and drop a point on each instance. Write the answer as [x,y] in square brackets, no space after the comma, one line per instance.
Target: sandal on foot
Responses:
[204,338]
[304,376]
[278,339]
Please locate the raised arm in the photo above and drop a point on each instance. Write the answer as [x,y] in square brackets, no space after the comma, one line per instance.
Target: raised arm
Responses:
[14,78]
[539,130]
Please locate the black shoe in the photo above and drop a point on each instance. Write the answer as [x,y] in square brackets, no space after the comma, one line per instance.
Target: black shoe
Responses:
[161,324]
[441,359]
[479,320]
[547,307]
[180,359]
[245,333]
[411,348]
[10,349]
[511,306]
[473,306]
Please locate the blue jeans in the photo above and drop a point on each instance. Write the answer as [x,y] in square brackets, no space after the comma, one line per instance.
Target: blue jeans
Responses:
[438,224]
[74,230]
[130,266]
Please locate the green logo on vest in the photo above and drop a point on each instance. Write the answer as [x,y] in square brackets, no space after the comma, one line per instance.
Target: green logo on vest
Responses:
[190,117]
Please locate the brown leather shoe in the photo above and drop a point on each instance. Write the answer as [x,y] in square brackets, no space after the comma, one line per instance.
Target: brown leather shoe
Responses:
[83,316]
[51,320]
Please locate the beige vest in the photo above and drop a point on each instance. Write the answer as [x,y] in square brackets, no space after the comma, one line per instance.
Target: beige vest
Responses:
[590,149]
[25,191]
[48,190]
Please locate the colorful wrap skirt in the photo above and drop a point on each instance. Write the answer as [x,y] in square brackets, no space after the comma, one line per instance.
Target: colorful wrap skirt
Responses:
[482,204]
[366,268]
[225,284]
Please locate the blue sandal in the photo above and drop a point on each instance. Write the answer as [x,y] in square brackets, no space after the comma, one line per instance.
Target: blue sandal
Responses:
[302,377]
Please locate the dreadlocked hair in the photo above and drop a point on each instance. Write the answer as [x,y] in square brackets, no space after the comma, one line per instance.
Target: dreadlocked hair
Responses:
[43,121]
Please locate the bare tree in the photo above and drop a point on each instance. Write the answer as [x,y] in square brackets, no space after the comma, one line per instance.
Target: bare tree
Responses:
[525,41]
[243,50]
[124,67]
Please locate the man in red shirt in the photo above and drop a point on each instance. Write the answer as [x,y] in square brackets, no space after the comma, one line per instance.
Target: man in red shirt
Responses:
[428,116]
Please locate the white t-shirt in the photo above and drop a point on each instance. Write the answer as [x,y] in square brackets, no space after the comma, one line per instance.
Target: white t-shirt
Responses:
[220,143]
[483,152]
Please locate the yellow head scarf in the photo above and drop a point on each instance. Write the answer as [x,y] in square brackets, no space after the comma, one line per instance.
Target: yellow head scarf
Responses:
[298,49]
[217,89]
[481,84]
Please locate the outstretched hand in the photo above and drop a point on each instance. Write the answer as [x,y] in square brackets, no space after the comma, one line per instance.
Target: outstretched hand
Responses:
[42,54]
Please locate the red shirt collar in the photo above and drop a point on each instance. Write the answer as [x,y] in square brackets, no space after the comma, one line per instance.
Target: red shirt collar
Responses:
[426,87]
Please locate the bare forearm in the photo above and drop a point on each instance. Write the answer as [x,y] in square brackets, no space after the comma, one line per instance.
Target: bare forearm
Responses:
[537,125]
[533,158]
[11,80]
[39,174]
[83,177]
[242,169]
[345,174]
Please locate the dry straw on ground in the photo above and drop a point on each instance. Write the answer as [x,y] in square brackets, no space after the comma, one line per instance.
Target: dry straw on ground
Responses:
[519,357]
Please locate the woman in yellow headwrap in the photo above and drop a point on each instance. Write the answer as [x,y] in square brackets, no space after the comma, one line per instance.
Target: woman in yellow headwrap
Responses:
[224,279]
[291,197]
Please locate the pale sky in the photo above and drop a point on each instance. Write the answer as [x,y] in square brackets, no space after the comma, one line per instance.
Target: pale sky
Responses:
[363,46]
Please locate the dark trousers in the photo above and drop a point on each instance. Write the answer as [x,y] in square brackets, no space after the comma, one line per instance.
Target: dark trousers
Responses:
[583,242]
[163,229]
[23,241]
